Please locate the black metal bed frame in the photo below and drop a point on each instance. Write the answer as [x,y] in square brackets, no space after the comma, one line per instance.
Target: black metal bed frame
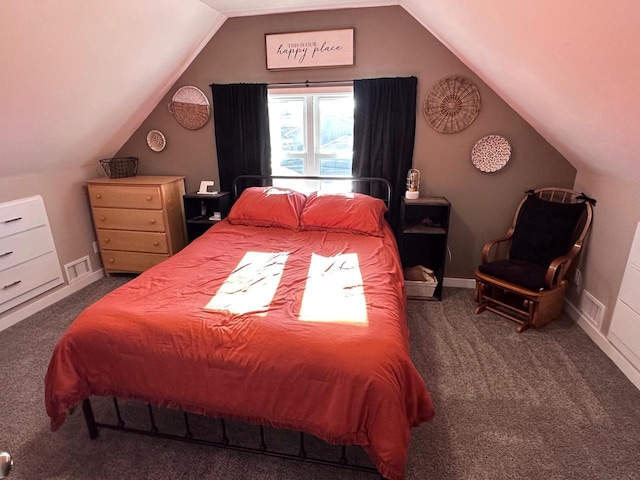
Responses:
[225,442]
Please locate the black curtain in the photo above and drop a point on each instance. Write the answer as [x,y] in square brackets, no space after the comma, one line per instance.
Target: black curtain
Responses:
[383,132]
[241,122]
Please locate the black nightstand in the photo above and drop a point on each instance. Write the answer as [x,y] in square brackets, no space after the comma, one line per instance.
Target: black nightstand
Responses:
[423,237]
[199,210]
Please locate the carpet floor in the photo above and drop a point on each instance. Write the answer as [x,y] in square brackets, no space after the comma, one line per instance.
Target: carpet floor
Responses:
[544,404]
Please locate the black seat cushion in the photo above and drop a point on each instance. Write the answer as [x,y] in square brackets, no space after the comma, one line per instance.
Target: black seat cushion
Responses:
[544,230]
[518,272]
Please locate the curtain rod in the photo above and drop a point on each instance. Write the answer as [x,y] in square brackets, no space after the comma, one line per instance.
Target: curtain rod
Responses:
[307,83]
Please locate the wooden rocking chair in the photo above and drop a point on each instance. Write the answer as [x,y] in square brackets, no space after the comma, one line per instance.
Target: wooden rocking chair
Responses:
[522,275]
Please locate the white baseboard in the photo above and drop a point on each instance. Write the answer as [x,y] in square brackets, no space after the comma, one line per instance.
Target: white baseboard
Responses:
[603,342]
[48,300]
[459,282]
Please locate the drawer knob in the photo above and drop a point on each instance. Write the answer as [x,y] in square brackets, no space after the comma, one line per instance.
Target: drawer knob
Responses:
[111,260]
[12,220]
[149,198]
[153,221]
[156,243]
[107,240]
[103,218]
[98,196]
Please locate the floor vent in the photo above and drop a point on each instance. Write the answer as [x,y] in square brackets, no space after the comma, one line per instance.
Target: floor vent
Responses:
[78,269]
[591,309]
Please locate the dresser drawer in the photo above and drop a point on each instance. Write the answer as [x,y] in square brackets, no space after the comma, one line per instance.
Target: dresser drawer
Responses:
[624,332]
[130,261]
[125,196]
[22,278]
[21,215]
[24,246]
[631,286]
[123,219]
[133,241]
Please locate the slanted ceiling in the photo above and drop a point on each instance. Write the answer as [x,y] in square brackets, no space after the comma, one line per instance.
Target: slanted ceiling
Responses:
[79,76]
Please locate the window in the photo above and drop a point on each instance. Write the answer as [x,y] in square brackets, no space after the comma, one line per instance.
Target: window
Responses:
[311,132]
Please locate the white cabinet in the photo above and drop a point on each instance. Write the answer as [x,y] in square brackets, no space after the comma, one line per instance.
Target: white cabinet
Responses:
[29,262]
[624,332]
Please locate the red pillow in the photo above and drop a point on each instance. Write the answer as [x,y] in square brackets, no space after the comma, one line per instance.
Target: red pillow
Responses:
[345,213]
[268,207]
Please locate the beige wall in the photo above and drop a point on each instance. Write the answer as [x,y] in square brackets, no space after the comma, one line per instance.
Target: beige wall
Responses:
[388,42]
[615,217]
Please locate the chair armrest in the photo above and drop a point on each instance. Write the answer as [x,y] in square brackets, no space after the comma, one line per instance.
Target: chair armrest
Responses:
[486,250]
[559,267]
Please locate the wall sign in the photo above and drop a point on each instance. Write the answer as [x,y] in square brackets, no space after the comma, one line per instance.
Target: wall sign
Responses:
[325,48]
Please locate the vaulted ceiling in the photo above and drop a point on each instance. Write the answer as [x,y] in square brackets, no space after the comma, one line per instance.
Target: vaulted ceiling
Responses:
[79,76]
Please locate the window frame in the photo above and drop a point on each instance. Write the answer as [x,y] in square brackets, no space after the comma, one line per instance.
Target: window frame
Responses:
[311,96]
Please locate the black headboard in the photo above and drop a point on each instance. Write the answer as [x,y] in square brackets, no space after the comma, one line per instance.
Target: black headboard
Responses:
[244,181]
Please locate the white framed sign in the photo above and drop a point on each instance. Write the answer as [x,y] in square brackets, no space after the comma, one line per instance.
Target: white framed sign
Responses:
[322,48]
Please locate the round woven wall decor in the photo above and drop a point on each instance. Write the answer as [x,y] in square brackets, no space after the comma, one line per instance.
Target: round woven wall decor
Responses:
[156,140]
[452,104]
[491,153]
[190,107]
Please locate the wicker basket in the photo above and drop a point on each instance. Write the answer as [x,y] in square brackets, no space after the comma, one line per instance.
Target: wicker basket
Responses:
[420,289]
[420,282]
[452,104]
[190,115]
[120,167]
[190,107]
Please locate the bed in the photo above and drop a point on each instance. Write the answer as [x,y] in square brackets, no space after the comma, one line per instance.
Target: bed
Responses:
[290,313]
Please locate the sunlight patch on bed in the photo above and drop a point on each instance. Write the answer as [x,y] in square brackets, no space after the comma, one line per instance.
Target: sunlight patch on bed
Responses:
[334,291]
[252,284]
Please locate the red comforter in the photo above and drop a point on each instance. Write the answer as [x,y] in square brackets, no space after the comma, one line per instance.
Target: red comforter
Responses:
[305,331]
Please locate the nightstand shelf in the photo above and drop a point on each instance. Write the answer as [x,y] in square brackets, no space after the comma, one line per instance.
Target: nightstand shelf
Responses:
[423,237]
[422,229]
[194,206]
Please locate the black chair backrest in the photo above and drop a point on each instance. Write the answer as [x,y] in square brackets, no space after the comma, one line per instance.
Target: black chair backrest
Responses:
[546,229]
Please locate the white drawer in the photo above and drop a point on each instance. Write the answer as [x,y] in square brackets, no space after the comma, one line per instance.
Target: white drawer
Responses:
[631,287]
[624,332]
[21,215]
[27,276]
[24,246]
[634,254]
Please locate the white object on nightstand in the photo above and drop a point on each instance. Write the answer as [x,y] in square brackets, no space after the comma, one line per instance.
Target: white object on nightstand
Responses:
[204,188]
[413,185]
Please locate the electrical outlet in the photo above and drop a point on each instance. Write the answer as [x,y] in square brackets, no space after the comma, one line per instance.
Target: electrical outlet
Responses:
[95,247]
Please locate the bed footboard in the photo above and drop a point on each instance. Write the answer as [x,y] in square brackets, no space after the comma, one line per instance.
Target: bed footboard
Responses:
[224,442]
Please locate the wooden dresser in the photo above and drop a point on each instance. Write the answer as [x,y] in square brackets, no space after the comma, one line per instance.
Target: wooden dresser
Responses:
[29,262]
[139,220]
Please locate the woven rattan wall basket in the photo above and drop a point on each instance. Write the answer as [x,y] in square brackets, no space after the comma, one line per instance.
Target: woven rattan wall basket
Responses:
[156,140]
[452,104]
[190,107]
[491,153]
